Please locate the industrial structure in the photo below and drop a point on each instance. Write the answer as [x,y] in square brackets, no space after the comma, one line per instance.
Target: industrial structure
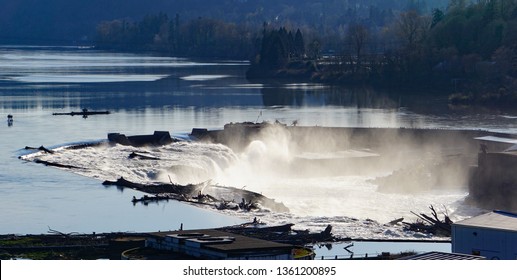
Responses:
[218,245]
[492,235]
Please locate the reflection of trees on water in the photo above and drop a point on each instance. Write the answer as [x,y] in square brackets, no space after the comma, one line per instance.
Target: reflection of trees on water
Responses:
[166,93]
[171,93]
[313,95]
[92,96]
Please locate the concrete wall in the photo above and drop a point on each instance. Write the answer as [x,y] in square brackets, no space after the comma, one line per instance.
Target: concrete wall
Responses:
[493,183]
[387,139]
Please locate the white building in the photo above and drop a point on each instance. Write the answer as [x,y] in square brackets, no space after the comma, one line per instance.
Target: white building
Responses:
[492,235]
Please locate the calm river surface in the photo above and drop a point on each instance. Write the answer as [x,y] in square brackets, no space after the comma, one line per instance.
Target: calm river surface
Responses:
[147,93]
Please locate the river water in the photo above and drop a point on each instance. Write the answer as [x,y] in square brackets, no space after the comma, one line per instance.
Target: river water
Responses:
[146,93]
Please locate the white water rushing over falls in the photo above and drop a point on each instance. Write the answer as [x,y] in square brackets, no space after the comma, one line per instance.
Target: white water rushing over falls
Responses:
[147,93]
[352,204]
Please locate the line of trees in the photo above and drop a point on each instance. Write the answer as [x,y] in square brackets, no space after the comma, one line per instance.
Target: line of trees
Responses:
[280,47]
[324,23]
[73,21]
[470,46]
[202,37]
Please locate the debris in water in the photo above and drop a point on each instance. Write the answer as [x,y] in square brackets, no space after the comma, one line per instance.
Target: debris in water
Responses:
[204,193]
[433,225]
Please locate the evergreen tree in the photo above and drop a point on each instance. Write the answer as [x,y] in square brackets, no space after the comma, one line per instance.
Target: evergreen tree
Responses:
[274,52]
[299,44]
[438,15]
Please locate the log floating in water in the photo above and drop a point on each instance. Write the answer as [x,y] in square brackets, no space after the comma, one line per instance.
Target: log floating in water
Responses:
[155,198]
[41,148]
[134,155]
[283,234]
[83,113]
[48,163]
[154,188]
[205,193]
[395,222]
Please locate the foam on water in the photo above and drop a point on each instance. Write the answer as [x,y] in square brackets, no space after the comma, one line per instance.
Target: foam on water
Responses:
[351,204]
[185,162]
[203,77]
[87,78]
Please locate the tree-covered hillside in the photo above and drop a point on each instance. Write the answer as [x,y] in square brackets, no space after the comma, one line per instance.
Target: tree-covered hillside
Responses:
[69,21]
[467,48]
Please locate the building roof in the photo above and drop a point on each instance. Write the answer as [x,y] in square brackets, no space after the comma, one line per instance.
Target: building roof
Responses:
[443,256]
[239,242]
[496,219]
[497,139]
[512,148]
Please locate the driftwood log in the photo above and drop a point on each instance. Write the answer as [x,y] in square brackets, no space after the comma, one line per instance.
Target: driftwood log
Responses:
[155,188]
[205,193]
[135,155]
[48,163]
[283,234]
[41,148]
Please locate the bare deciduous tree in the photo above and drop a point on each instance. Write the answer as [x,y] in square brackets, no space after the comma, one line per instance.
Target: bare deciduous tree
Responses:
[412,28]
[357,36]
